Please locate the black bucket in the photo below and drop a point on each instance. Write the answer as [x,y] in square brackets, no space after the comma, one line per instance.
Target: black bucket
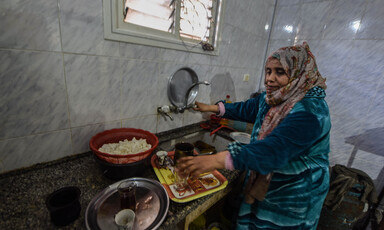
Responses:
[64,205]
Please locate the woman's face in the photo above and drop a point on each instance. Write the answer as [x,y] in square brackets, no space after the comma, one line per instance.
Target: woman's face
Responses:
[275,76]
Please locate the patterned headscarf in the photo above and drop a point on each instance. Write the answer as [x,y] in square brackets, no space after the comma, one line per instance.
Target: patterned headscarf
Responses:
[300,66]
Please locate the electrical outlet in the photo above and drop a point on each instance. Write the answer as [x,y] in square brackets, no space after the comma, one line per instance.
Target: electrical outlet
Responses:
[246,77]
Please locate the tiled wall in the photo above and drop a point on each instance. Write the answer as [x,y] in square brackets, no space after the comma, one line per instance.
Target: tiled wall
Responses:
[61,82]
[347,38]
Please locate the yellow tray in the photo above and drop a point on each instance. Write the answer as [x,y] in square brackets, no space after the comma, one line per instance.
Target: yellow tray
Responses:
[205,184]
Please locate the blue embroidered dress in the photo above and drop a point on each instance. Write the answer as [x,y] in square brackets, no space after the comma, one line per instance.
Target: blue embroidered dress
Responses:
[296,151]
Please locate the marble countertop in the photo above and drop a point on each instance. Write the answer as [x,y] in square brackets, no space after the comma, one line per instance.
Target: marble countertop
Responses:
[23,192]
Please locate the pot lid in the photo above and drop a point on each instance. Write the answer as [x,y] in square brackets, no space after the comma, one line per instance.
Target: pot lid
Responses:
[178,86]
[102,208]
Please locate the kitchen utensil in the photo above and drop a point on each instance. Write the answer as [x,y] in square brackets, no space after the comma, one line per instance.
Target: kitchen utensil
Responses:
[64,205]
[181,150]
[205,184]
[152,208]
[127,192]
[125,219]
[178,85]
[116,135]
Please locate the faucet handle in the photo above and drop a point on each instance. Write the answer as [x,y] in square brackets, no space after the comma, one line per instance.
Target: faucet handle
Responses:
[165,109]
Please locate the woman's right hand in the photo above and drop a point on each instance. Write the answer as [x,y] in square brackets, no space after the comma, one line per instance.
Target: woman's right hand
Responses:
[206,108]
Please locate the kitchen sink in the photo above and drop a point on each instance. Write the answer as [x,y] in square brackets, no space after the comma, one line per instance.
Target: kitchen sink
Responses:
[220,143]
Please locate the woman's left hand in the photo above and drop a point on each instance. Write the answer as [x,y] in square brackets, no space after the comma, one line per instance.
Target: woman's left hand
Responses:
[194,166]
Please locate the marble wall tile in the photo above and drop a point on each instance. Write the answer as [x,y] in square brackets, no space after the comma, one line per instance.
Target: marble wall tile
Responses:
[370,167]
[166,124]
[372,25]
[287,2]
[25,151]
[32,92]
[221,85]
[94,89]
[29,25]
[349,98]
[148,123]
[135,51]
[200,59]
[285,22]
[140,87]
[337,158]
[376,109]
[192,117]
[225,47]
[241,49]
[82,135]
[82,28]
[344,127]
[250,16]
[365,62]
[244,89]
[344,19]
[233,10]
[331,58]
[176,56]
[312,20]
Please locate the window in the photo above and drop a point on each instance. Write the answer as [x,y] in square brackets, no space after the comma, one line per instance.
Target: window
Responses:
[189,25]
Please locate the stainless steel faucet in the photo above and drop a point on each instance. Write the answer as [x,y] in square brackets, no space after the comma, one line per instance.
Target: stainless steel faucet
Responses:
[186,106]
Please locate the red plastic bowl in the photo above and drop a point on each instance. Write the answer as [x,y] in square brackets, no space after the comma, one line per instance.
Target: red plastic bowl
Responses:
[116,135]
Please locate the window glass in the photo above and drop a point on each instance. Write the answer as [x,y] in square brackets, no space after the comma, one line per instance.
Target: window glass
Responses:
[190,25]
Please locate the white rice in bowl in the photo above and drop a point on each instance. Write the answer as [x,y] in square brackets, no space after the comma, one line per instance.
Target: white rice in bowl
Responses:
[126,147]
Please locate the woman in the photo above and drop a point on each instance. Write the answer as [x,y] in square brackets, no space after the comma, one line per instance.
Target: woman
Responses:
[287,159]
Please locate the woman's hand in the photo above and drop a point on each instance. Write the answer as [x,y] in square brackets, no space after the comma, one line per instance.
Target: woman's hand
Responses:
[194,166]
[206,108]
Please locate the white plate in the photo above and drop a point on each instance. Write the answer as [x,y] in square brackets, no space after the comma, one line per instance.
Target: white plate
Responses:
[244,138]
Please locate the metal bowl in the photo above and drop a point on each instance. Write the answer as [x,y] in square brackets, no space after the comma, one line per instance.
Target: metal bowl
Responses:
[178,86]
[102,208]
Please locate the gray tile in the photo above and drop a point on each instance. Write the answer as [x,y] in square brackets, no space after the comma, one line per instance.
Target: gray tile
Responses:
[372,25]
[365,60]
[286,21]
[313,20]
[32,92]
[94,89]
[29,25]
[344,19]
[349,98]
[140,89]
[330,58]
[26,151]
[147,123]
[82,28]
[83,134]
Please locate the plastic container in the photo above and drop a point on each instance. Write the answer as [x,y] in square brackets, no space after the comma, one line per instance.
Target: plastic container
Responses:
[116,135]
[228,99]
[225,121]
[64,205]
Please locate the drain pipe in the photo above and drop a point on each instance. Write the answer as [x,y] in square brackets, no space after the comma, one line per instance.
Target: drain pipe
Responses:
[267,46]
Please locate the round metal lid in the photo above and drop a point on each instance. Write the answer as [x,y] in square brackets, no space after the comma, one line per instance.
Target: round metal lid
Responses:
[178,86]
[102,208]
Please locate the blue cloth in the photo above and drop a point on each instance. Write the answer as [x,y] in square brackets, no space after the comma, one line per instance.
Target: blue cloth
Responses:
[296,151]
